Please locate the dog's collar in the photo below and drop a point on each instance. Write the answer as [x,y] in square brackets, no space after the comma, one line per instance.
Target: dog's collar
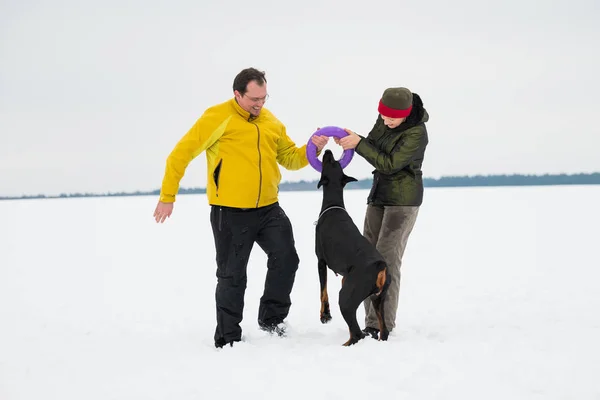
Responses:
[327,209]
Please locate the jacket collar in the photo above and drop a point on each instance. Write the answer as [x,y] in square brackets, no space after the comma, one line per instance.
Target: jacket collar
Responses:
[245,114]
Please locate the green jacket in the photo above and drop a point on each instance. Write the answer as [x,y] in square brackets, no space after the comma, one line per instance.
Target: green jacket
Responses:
[397,155]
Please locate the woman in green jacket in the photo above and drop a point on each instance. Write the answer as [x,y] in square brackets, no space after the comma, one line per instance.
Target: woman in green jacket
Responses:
[396,148]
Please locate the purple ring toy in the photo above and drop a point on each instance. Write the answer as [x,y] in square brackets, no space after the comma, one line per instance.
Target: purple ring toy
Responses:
[311,149]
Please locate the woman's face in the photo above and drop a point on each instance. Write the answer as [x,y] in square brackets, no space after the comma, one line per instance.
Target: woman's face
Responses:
[392,122]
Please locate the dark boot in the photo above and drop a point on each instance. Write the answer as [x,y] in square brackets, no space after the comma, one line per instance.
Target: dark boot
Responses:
[373,332]
[278,329]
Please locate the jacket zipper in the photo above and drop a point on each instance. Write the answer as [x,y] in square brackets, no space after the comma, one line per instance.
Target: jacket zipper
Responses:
[259,166]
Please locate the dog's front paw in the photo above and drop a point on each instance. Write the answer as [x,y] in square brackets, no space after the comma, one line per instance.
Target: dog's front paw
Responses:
[325,317]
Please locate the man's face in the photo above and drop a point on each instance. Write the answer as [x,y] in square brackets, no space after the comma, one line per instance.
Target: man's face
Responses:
[254,98]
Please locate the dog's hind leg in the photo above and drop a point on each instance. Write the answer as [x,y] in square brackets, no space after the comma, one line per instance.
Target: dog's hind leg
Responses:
[325,313]
[378,301]
[349,300]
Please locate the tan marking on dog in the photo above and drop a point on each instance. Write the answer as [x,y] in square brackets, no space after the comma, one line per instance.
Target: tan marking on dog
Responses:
[324,300]
[380,323]
[381,278]
[349,340]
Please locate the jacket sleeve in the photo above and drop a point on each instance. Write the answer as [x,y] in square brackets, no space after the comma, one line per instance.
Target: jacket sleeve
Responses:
[288,154]
[205,132]
[403,153]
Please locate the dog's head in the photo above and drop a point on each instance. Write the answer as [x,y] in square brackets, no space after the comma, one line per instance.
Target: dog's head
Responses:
[332,172]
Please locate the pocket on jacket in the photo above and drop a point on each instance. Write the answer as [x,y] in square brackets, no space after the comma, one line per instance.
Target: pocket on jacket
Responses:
[217,174]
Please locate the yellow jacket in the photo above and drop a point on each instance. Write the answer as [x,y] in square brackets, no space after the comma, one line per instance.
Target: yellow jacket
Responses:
[242,153]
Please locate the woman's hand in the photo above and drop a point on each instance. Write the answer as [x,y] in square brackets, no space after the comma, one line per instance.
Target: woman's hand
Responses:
[348,142]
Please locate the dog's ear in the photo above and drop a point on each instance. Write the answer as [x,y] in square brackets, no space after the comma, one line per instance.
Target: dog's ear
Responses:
[324,181]
[348,179]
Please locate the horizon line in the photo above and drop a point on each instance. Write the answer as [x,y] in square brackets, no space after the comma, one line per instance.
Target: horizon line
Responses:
[451,181]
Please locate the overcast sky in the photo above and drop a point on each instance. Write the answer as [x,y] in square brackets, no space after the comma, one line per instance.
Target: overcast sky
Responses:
[94,95]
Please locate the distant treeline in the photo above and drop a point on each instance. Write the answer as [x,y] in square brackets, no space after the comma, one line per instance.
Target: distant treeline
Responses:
[447,181]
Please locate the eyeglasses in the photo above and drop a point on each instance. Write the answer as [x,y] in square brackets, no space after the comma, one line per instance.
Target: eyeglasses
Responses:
[257,99]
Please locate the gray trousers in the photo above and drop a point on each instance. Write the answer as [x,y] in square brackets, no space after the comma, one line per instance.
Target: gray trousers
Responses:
[388,228]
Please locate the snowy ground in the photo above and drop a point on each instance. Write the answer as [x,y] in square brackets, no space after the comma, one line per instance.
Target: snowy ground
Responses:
[499,300]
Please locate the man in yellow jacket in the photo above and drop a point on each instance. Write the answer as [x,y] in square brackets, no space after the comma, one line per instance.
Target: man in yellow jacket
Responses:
[244,144]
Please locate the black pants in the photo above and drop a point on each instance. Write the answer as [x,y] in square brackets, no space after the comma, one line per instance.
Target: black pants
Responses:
[235,232]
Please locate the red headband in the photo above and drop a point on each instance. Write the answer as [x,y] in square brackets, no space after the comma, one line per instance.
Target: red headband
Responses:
[393,113]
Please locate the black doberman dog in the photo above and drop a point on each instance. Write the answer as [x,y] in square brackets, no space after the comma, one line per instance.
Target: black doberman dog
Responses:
[341,247]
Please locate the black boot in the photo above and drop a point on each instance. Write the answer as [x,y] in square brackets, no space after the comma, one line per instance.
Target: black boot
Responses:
[277,329]
[373,332]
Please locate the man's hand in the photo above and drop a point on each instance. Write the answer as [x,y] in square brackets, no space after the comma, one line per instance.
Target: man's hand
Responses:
[320,141]
[348,142]
[163,211]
